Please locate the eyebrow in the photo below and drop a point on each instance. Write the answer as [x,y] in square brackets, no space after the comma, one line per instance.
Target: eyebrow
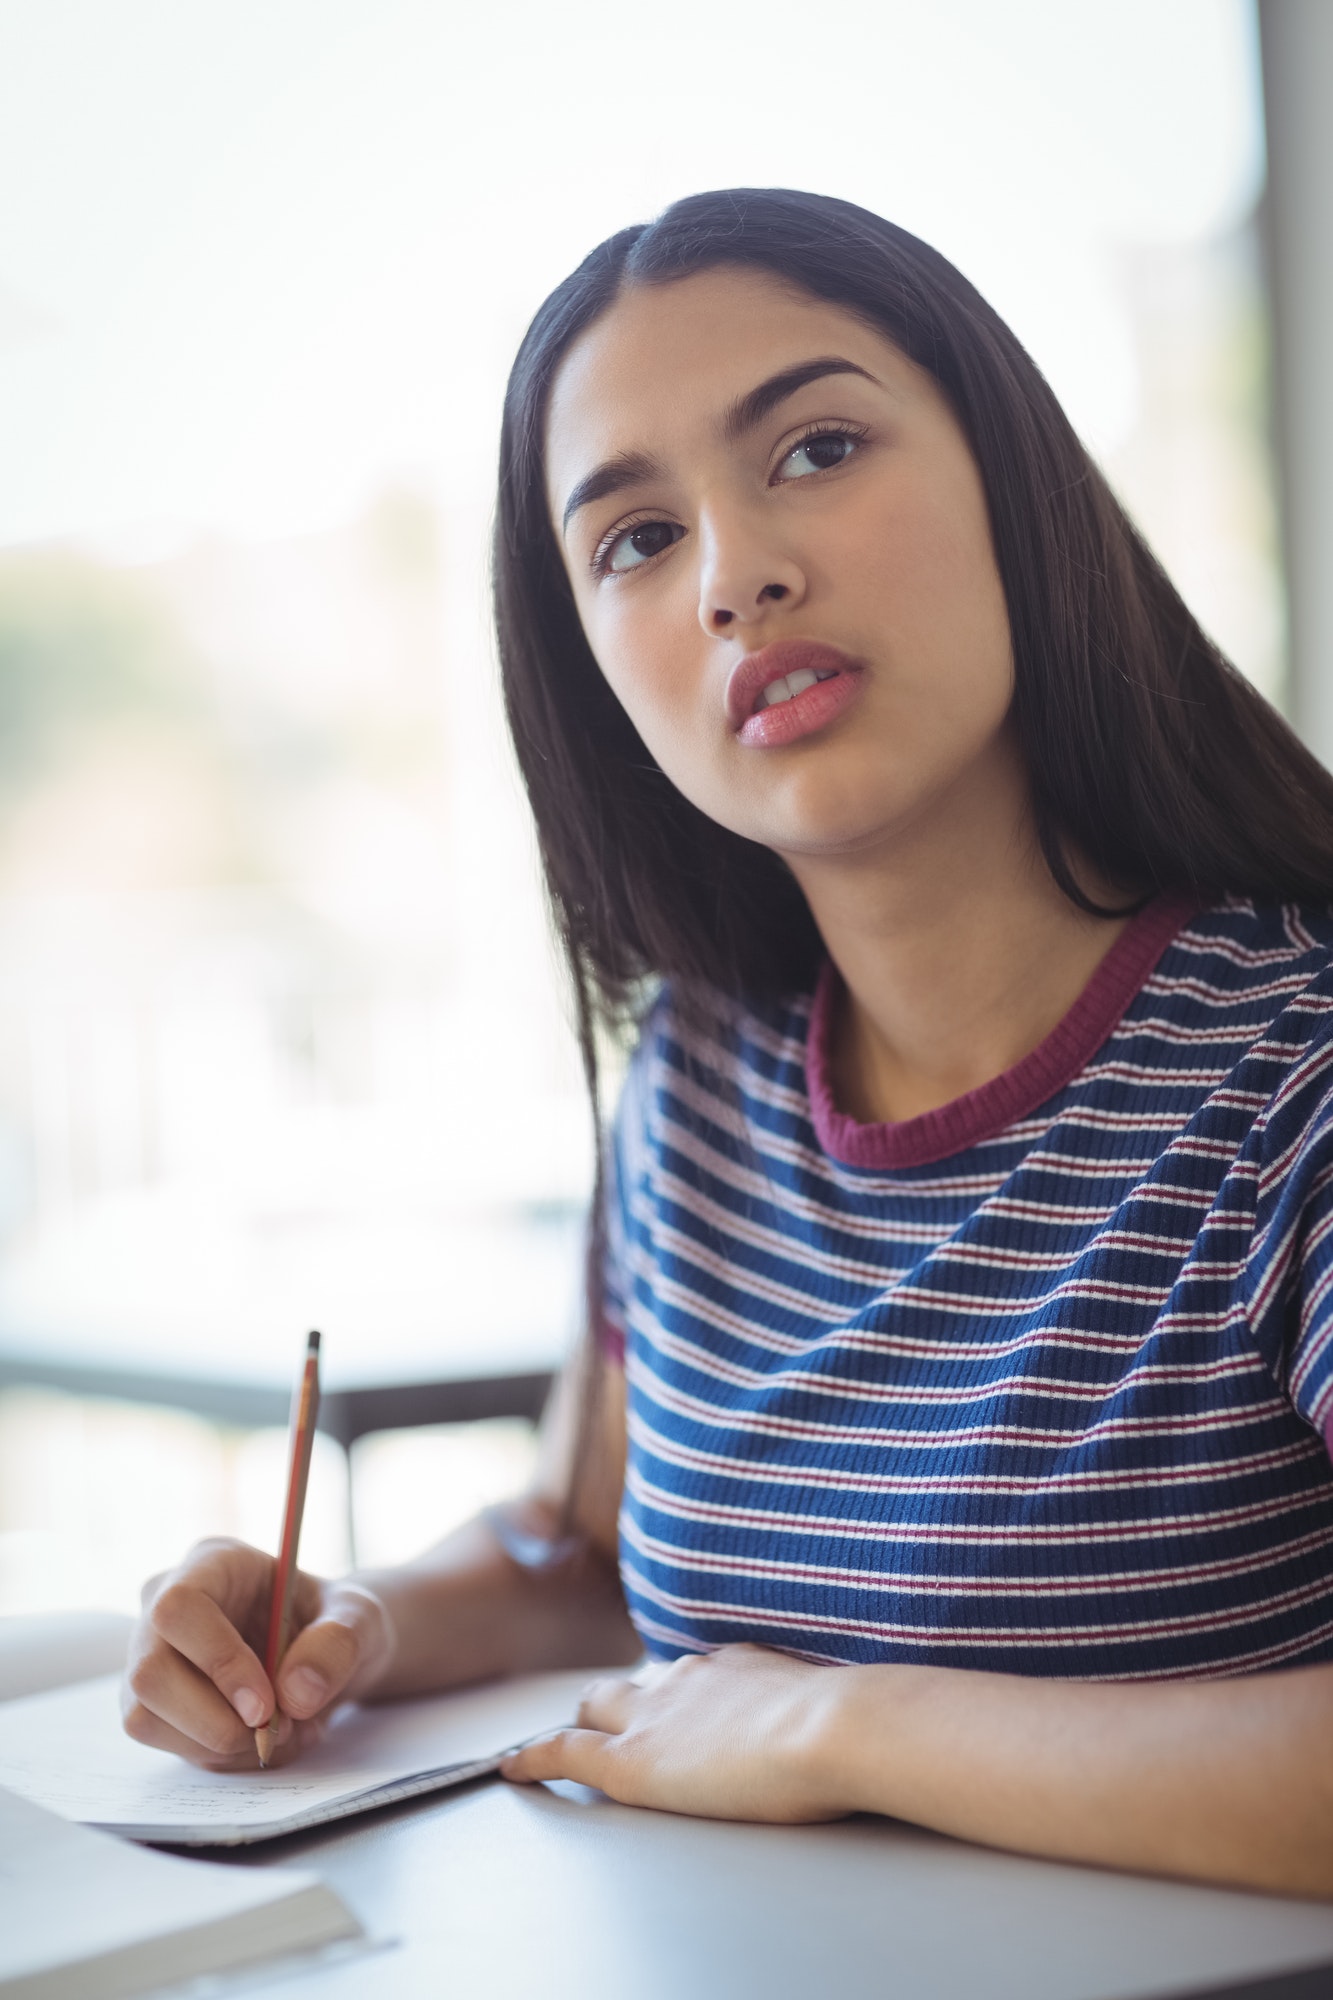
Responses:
[751,409]
[632,468]
[627,468]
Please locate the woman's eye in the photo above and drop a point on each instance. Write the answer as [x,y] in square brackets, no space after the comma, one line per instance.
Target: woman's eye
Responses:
[819,453]
[641,544]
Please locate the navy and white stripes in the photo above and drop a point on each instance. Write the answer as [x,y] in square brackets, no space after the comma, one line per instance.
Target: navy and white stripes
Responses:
[1037,1383]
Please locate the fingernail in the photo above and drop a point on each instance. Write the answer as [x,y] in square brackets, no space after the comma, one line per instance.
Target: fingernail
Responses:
[304,1688]
[249,1707]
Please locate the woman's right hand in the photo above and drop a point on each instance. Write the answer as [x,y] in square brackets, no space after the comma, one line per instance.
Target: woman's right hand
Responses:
[195,1683]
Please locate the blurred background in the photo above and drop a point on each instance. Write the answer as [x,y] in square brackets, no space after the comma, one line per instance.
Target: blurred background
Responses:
[281,1038]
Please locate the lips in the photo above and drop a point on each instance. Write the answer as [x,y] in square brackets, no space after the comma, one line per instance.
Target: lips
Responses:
[779,661]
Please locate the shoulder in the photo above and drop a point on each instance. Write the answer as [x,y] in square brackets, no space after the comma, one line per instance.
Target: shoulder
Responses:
[1242,973]
[1258,949]
[701,1053]
[1260,976]
[708,1028]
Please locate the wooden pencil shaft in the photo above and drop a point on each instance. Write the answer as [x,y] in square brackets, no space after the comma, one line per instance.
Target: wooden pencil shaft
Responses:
[298,1475]
[305,1410]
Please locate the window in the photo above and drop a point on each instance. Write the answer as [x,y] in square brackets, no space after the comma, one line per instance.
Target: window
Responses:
[281,1037]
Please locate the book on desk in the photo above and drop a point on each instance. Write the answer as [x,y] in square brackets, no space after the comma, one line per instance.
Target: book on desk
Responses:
[65,1751]
[90,1918]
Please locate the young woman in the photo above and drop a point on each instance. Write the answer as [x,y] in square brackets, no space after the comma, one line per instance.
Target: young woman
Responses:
[954,1425]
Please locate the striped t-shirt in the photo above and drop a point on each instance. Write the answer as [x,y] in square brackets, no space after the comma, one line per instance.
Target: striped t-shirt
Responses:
[1038,1382]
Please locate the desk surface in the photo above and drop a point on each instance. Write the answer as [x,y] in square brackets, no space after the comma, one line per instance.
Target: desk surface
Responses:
[504,1893]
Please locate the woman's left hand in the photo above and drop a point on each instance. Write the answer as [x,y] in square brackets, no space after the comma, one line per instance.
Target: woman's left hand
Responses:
[742,1733]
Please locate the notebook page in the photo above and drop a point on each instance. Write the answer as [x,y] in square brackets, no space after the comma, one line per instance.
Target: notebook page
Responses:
[66,1751]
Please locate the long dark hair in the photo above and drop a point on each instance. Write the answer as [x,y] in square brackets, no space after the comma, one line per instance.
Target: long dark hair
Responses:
[1147,753]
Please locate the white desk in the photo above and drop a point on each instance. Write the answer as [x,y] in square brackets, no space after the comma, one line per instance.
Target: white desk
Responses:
[502,1893]
[497,1892]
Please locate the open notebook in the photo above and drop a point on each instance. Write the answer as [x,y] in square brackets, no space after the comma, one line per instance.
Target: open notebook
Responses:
[66,1751]
[87,1918]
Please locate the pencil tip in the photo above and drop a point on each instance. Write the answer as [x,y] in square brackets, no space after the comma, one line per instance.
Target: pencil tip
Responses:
[312,1345]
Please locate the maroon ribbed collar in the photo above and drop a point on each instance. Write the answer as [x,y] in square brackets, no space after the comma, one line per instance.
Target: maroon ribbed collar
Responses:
[981,1114]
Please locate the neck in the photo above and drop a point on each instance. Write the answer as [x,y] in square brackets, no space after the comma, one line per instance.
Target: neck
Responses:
[958,953]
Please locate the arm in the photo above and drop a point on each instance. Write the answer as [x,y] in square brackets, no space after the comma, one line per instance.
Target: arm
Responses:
[463,1612]
[1220,1781]
[466,1610]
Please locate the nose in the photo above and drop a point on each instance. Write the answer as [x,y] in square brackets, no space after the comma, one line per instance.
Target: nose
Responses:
[743,578]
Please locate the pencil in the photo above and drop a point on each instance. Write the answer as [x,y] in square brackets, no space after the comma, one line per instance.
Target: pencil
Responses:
[305,1409]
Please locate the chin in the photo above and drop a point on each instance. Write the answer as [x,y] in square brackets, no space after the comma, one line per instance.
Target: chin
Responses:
[833,805]
[817,835]
[834,822]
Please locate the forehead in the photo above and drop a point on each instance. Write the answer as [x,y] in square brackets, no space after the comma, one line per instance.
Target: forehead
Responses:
[664,360]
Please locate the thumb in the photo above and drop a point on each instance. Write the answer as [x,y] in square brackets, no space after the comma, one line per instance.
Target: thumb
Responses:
[338,1655]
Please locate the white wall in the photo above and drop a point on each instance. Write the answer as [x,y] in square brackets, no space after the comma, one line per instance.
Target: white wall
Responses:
[1296,37]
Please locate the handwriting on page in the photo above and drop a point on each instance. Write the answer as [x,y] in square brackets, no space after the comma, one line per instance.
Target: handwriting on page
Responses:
[176,1796]
[67,1751]
[91,1770]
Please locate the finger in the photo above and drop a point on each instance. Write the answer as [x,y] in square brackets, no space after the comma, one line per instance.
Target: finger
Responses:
[155,1734]
[237,1577]
[608,1705]
[168,1705]
[144,1727]
[578,1754]
[292,1741]
[331,1655]
[195,1626]
[653,1672]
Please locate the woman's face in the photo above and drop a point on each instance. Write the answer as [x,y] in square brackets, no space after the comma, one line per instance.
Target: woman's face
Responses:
[781,556]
